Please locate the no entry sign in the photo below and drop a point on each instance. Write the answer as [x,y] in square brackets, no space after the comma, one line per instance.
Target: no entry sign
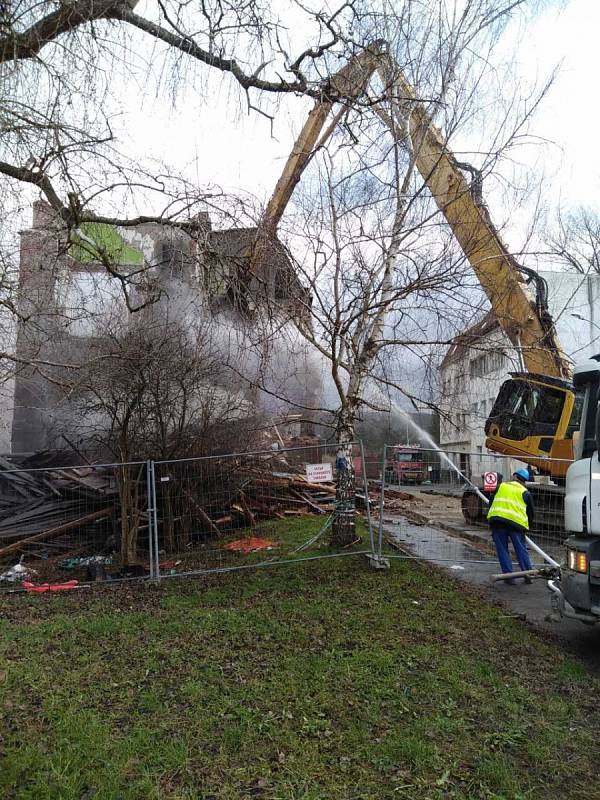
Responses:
[490,481]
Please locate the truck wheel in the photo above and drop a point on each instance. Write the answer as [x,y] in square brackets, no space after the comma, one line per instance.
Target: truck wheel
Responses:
[472,507]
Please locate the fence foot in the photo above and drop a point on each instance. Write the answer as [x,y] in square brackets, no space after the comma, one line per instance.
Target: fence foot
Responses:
[378,562]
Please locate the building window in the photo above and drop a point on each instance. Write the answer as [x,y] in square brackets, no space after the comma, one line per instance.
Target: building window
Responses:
[496,360]
[486,363]
[476,367]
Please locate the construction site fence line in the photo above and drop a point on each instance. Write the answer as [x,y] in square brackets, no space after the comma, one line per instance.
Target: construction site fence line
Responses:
[258,484]
[427,503]
[183,512]
[87,504]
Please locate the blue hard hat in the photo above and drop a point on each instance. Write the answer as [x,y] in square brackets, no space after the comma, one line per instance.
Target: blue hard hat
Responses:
[522,473]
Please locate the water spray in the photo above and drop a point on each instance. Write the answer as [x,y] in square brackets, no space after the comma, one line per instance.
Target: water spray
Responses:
[424,435]
[486,500]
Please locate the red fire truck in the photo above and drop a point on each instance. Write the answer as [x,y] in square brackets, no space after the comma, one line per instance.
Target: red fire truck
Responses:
[405,465]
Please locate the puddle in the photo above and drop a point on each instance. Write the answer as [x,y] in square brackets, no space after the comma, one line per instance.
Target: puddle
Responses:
[430,543]
[466,562]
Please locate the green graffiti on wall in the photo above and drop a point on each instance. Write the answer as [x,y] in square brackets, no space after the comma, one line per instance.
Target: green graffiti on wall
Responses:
[105,240]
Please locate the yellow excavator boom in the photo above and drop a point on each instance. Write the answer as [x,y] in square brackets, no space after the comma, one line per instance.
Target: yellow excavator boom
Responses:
[345,86]
[529,329]
[524,317]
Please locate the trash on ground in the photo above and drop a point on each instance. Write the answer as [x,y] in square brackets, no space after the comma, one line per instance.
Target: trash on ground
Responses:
[166,567]
[17,573]
[85,561]
[456,566]
[168,564]
[249,545]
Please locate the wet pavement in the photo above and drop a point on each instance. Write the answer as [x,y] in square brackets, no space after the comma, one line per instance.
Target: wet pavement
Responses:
[472,564]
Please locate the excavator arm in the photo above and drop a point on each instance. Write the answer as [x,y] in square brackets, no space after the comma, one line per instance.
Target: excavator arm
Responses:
[344,86]
[524,317]
[536,412]
[525,320]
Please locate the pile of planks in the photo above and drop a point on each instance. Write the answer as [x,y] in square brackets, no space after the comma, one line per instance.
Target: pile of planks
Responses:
[56,508]
[278,495]
[261,495]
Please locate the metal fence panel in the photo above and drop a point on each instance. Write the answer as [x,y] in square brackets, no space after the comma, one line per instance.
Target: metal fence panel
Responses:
[81,523]
[431,504]
[151,519]
[240,509]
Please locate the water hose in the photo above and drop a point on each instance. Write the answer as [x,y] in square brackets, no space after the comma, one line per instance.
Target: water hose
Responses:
[529,541]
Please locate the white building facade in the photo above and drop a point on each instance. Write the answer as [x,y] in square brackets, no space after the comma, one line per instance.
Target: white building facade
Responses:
[481,358]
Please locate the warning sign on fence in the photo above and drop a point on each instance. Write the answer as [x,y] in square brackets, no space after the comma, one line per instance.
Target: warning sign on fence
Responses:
[490,481]
[319,473]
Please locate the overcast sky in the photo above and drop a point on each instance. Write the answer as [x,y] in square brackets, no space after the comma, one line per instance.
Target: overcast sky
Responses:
[570,116]
[214,141]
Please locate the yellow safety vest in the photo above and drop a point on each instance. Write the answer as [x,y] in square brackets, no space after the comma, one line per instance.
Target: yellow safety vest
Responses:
[509,504]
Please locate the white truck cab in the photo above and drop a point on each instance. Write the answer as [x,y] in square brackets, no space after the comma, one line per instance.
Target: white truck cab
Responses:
[577,593]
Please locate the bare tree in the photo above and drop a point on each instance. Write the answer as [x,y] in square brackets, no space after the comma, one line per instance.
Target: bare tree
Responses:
[148,388]
[376,281]
[62,65]
[64,69]
[387,278]
[574,241]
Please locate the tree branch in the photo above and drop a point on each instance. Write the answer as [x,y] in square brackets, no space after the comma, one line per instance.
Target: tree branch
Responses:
[67,18]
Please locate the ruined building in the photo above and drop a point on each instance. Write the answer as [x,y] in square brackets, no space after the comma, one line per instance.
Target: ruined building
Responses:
[64,289]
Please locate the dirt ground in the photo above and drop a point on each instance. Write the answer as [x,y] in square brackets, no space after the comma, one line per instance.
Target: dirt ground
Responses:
[426,508]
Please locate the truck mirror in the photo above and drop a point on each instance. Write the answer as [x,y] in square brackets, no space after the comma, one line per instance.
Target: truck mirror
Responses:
[598,429]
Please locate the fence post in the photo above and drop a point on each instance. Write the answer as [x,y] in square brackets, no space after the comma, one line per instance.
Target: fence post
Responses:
[381,502]
[377,559]
[150,512]
[155,518]
[367,500]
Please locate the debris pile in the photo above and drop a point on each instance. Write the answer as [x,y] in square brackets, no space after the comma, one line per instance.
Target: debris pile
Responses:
[70,519]
[54,511]
[400,502]
[242,498]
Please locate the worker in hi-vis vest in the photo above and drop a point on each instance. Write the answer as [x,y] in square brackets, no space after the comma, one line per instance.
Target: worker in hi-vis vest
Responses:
[510,517]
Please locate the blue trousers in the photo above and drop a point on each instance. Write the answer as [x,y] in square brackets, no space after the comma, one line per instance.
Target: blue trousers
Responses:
[501,534]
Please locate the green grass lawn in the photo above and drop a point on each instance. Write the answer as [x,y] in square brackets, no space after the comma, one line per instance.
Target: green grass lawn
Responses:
[324,680]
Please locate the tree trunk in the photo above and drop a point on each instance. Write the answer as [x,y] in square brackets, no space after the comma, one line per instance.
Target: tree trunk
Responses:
[343,528]
[128,485]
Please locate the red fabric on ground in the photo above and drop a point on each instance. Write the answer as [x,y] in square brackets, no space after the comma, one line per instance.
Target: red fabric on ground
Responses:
[50,587]
[249,545]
